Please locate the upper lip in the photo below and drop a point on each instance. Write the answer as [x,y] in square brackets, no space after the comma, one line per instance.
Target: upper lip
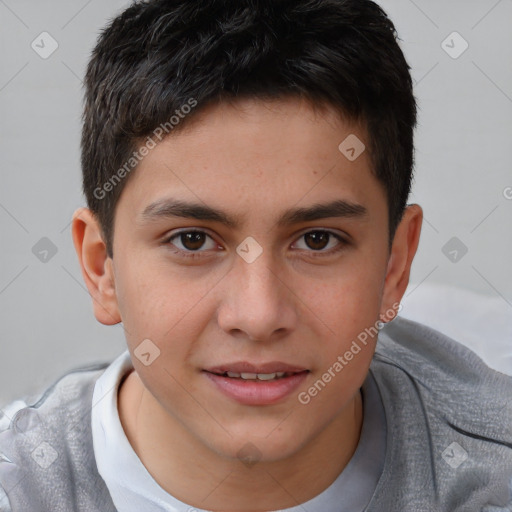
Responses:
[246,367]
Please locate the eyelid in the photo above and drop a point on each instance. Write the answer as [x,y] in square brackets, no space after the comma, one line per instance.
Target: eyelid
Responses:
[343,239]
[175,234]
[335,232]
[344,236]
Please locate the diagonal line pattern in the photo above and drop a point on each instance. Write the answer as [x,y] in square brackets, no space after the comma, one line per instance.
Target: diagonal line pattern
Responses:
[13,13]
[492,81]
[80,421]
[13,217]
[215,488]
[417,82]
[184,184]
[66,226]
[424,279]
[197,402]
[297,503]
[192,307]
[72,72]
[13,279]
[486,217]
[431,225]
[75,15]
[486,14]
[12,488]
[280,423]
[309,191]
[302,302]
[15,75]
[490,284]
[87,291]
[424,13]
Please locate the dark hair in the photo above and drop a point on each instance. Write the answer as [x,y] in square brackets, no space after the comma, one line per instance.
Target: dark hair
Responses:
[160,55]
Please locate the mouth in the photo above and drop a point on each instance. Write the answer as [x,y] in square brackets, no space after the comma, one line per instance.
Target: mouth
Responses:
[265,377]
[257,384]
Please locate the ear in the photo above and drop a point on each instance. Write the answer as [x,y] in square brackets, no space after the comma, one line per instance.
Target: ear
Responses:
[97,267]
[403,249]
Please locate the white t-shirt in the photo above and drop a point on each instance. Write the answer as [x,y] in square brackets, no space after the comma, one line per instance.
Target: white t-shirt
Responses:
[133,488]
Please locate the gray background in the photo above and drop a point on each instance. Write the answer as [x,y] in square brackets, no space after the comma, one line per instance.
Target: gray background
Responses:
[463,170]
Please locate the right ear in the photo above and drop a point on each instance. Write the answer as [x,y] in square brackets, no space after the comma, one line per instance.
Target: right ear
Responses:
[96,265]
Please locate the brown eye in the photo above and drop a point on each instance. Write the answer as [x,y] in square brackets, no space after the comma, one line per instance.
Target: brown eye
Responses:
[317,240]
[321,242]
[192,241]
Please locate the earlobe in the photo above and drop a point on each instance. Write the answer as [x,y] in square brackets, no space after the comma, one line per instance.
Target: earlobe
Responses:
[97,268]
[405,244]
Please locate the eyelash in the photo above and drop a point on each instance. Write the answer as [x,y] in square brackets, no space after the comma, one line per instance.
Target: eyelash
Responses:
[198,254]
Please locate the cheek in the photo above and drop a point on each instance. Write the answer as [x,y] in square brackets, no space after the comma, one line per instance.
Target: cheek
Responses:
[349,300]
[348,308]
[168,308]
[151,300]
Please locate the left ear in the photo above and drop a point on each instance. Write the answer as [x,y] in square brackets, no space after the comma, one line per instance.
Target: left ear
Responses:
[97,268]
[403,249]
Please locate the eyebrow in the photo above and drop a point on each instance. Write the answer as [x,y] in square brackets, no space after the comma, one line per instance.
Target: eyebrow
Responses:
[169,208]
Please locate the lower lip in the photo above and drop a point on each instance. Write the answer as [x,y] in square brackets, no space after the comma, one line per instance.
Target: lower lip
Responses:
[258,392]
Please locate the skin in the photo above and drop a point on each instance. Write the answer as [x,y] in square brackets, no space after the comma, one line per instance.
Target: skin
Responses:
[298,302]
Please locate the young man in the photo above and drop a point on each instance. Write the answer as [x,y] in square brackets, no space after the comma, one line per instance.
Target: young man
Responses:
[247,167]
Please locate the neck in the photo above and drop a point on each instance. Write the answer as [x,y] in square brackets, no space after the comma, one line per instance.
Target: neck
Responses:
[177,460]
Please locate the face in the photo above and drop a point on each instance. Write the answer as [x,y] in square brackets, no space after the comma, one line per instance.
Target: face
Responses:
[249,243]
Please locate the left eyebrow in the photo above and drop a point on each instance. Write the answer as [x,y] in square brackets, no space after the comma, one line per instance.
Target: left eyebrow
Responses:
[168,208]
[339,208]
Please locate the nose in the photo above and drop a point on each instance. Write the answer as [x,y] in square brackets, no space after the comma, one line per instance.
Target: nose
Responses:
[257,303]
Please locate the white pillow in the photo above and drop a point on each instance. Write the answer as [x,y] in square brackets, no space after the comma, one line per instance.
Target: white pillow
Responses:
[481,322]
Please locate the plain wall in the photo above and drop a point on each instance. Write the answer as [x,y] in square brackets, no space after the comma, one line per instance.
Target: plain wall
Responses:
[463,170]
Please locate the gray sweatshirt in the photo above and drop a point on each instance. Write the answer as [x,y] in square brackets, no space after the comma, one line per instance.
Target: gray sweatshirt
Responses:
[449,434]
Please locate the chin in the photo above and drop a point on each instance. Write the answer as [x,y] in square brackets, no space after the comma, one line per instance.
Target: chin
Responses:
[252,447]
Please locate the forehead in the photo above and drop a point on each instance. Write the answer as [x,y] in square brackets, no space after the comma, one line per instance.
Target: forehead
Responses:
[255,156]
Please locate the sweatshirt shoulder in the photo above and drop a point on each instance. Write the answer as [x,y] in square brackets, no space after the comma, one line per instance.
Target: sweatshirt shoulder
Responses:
[4,501]
[422,350]
[448,380]
[45,437]
[70,388]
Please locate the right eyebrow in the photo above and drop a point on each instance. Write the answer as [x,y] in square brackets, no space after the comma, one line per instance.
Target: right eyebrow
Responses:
[168,208]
